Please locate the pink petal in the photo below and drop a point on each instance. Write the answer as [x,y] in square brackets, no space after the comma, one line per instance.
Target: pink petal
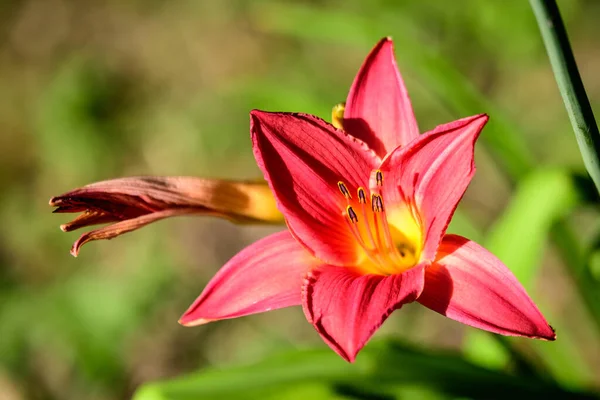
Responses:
[432,173]
[470,285]
[265,276]
[303,158]
[346,307]
[378,110]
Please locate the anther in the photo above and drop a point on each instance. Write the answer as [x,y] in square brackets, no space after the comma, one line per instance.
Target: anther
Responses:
[344,190]
[376,203]
[362,198]
[379,177]
[351,214]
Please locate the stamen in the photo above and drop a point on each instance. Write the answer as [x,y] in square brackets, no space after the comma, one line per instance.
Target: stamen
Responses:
[377,207]
[379,177]
[381,222]
[376,203]
[344,190]
[351,214]
[362,198]
[352,220]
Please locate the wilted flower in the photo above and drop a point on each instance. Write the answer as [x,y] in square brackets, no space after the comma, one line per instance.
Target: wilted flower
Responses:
[131,203]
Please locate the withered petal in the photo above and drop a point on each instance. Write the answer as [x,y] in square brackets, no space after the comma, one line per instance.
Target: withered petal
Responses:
[119,228]
[134,202]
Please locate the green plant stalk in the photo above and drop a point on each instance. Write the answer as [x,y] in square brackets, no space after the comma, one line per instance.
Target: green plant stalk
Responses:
[573,252]
[570,85]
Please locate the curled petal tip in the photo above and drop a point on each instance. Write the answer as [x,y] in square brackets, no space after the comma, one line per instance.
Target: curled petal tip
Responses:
[59,201]
[83,239]
[349,356]
[547,334]
[74,251]
[64,227]
[388,39]
[551,336]
[483,116]
[193,322]
[256,113]
[479,120]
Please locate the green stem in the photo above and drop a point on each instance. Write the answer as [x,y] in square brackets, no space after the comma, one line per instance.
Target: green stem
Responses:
[569,83]
[577,257]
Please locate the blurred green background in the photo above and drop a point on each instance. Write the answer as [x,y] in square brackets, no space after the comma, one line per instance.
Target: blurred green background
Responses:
[96,90]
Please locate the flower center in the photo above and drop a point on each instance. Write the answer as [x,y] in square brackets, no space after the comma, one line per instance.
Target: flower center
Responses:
[388,250]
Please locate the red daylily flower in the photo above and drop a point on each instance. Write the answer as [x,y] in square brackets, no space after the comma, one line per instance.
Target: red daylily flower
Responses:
[367,208]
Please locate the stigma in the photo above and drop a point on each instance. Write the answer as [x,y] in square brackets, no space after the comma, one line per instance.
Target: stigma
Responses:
[388,251]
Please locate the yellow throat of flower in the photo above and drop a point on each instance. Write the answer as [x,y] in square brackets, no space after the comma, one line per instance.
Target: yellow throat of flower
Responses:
[390,240]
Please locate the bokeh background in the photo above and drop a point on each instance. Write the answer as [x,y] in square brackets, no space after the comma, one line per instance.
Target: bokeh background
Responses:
[95,90]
